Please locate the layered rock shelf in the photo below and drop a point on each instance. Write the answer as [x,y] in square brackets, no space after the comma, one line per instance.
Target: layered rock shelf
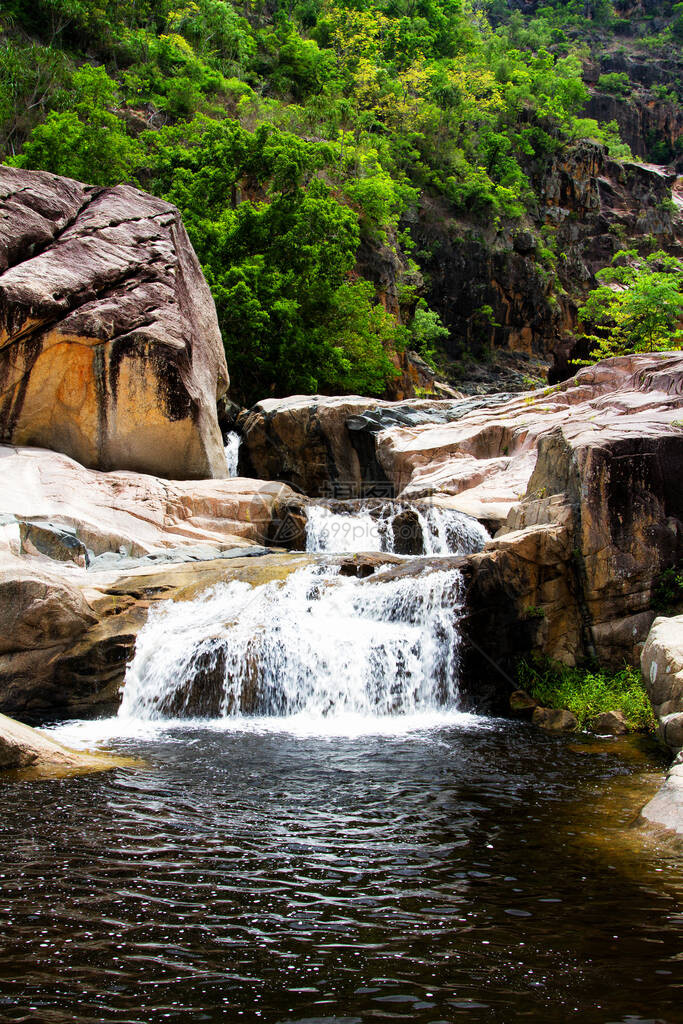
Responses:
[83,554]
[582,484]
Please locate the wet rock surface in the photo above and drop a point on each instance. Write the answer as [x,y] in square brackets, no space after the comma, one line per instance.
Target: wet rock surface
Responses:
[554,720]
[582,482]
[24,748]
[109,344]
[84,554]
[71,634]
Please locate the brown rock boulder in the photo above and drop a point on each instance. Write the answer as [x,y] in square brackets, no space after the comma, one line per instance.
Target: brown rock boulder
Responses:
[304,441]
[109,344]
[522,705]
[610,723]
[555,720]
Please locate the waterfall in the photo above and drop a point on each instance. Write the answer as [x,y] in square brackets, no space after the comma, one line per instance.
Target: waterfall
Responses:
[318,642]
[343,533]
[394,528]
[232,451]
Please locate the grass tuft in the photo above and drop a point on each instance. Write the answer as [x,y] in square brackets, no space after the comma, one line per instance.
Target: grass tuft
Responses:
[587,692]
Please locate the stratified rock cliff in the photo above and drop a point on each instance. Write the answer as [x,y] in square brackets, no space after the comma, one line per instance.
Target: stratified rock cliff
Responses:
[110,350]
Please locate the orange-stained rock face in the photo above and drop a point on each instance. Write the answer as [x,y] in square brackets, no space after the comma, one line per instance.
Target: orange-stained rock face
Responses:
[109,345]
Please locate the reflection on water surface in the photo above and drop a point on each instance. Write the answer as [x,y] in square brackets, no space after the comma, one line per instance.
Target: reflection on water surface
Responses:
[472,871]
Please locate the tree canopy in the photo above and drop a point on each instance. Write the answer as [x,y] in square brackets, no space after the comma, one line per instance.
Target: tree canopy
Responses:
[293,135]
[637,307]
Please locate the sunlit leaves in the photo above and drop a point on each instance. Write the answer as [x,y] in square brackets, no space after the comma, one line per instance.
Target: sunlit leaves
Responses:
[637,307]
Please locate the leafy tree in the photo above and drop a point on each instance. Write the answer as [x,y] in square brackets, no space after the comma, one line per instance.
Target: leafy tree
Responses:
[616,82]
[288,132]
[31,79]
[89,143]
[637,307]
[277,265]
[427,331]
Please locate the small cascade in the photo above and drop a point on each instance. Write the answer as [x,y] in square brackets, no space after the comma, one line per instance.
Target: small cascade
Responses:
[447,532]
[318,643]
[342,533]
[232,451]
[393,528]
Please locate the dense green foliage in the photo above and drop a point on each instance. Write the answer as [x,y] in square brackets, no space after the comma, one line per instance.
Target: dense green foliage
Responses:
[587,693]
[637,306]
[667,598]
[290,135]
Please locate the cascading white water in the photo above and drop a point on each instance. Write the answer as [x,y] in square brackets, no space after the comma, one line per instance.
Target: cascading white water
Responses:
[342,533]
[319,643]
[232,451]
[446,531]
[441,531]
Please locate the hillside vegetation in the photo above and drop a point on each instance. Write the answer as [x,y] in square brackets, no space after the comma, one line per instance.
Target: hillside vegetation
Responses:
[298,138]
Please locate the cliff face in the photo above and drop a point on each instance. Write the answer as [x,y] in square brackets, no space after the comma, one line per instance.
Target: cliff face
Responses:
[516,286]
[533,276]
[109,345]
[649,127]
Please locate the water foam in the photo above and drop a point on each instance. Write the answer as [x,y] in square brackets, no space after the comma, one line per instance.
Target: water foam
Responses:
[438,531]
[318,644]
[232,451]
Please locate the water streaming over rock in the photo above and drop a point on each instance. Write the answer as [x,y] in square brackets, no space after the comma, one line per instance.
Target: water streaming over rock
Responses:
[318,643]
[393,527]
[232,451]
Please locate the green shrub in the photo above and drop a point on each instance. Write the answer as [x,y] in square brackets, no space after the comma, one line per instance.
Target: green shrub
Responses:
[616,82]
[587,692]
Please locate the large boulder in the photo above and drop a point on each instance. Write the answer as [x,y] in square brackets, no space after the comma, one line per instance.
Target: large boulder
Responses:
[573,573]
[109,344]
[304,441]
[662,667]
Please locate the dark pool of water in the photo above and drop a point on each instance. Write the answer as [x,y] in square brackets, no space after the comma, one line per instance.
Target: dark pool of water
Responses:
[466,874]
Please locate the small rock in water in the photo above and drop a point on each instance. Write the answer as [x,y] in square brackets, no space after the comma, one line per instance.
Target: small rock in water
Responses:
[610,723]
[522,704]
[555,720]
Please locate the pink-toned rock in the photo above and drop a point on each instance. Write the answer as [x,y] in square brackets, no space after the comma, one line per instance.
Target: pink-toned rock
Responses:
[477,455]
[487,456]
[46,495]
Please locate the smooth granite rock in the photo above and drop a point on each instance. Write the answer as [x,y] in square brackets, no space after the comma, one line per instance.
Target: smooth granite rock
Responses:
[109,344]
[661,665]
[22,747]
